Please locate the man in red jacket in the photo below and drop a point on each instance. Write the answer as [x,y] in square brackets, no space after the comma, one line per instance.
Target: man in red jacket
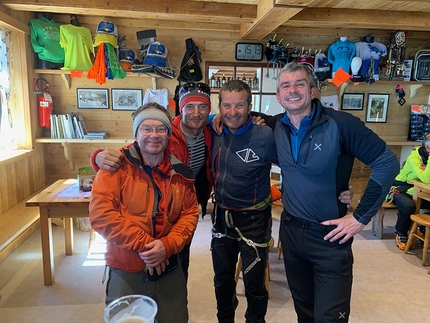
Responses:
[191,143]
[147,211]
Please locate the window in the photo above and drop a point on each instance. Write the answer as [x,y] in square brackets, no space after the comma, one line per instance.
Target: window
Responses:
[16,104]
[260,78]
[7,136]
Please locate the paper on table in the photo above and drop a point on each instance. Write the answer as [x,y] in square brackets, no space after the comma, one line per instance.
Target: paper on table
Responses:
[72,192]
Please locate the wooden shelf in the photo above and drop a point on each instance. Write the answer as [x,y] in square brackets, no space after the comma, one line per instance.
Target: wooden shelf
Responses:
[66,75]
[67,143]
[414,86]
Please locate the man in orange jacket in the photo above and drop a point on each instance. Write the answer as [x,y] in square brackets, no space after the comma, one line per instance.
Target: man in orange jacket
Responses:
[147,211]
[191,143]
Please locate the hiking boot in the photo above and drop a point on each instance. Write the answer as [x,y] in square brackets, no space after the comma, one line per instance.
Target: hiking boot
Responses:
[401,240]
[167,72]
[142,68]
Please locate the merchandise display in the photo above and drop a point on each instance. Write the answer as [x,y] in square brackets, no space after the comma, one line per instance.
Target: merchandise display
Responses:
[370,53]
[45,40]
[419,124]
[190,66]
[77,44]
[107,65]
[340,54]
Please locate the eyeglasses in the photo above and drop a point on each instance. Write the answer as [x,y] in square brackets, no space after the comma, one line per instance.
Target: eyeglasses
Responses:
[190,86]
[150,130]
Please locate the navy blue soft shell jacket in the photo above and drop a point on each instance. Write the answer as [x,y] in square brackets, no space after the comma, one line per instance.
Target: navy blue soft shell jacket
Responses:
[311,185]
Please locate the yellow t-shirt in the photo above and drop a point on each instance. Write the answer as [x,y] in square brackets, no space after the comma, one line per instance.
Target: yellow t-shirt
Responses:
[77,44]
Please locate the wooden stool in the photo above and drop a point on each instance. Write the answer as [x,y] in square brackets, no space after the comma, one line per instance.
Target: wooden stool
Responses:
[419,219]
[378,220]
[267,274]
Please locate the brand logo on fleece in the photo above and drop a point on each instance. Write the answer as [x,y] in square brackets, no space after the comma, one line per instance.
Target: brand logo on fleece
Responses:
[247,155]
[317,146]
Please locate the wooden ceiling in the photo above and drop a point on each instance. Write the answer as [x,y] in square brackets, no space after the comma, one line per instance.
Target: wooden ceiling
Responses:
[251,19]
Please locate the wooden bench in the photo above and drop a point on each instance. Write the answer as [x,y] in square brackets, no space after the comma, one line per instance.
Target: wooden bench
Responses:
[16,225]
[378,220]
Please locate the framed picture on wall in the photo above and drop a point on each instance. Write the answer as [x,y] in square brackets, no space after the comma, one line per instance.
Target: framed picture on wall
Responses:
[352,101]
[93,98]
[377,107]
[126,99]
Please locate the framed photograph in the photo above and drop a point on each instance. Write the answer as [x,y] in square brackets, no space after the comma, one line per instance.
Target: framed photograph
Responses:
[93,98]
[377,107]
[352,101]
[126,99]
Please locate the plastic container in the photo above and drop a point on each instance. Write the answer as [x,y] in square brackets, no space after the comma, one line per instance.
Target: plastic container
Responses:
[131,309]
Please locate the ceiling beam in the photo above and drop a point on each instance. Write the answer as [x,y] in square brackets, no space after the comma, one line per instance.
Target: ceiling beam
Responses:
[9,23]
[155,9]
[270,15]
[361,19]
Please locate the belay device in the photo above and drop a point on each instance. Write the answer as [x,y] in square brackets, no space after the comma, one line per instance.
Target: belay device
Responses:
[45,105]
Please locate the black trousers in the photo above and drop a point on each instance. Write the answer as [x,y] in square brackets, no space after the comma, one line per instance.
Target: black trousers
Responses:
[184,254]
[319,272]
[257,227]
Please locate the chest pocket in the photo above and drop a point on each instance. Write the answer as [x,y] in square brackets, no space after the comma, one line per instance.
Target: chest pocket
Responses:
[319,154]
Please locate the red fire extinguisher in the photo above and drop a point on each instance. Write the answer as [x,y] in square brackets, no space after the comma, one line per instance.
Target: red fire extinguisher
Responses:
[44,104]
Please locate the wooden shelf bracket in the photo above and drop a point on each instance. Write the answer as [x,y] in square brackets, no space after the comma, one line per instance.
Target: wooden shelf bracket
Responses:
[413,89]
[68,154]
[66,79]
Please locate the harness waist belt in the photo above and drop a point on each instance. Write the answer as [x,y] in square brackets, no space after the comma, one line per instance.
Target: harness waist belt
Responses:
[305,224]
[258,206]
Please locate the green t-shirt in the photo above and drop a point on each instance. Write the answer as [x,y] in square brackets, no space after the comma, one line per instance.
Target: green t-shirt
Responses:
[45,39]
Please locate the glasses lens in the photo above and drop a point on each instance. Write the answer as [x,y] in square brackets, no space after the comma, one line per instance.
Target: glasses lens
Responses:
[190,86]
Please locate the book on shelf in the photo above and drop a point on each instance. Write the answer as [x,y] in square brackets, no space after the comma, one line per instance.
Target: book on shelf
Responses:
[96,134]
[68,126]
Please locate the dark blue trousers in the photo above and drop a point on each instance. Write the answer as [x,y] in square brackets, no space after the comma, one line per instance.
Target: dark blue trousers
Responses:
[319,272]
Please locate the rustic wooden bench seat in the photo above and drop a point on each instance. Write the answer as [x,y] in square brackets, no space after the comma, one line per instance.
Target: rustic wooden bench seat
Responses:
[17,224]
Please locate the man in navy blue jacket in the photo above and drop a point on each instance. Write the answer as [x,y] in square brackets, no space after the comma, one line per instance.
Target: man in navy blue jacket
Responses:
[316,149]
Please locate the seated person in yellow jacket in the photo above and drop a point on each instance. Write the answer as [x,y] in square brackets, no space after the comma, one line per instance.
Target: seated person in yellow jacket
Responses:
[147,211]
[415,168]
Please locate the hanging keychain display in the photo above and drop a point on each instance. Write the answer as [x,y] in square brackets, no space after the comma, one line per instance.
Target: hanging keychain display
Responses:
[400,93]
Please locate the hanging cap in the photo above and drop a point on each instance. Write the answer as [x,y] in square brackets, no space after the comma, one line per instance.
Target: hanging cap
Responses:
[106,32]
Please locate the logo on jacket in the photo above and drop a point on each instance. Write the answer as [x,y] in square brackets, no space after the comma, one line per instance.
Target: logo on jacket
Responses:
[317,146]
[247,155]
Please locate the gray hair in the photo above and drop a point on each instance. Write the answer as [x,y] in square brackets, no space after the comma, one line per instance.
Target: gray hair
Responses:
[294,67]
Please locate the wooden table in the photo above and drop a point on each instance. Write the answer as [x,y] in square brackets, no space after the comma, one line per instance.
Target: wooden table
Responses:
[50,207]
[421,191]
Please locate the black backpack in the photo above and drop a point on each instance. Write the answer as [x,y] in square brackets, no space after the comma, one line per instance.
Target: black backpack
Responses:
[190,66]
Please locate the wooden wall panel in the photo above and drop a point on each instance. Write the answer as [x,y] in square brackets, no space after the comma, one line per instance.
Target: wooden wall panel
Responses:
[21,177]
[220,46]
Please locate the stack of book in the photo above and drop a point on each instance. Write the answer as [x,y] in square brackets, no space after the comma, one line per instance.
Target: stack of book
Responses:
[68,126]
[96,134]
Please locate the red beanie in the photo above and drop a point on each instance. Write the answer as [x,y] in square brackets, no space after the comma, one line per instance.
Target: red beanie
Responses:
[195,95]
